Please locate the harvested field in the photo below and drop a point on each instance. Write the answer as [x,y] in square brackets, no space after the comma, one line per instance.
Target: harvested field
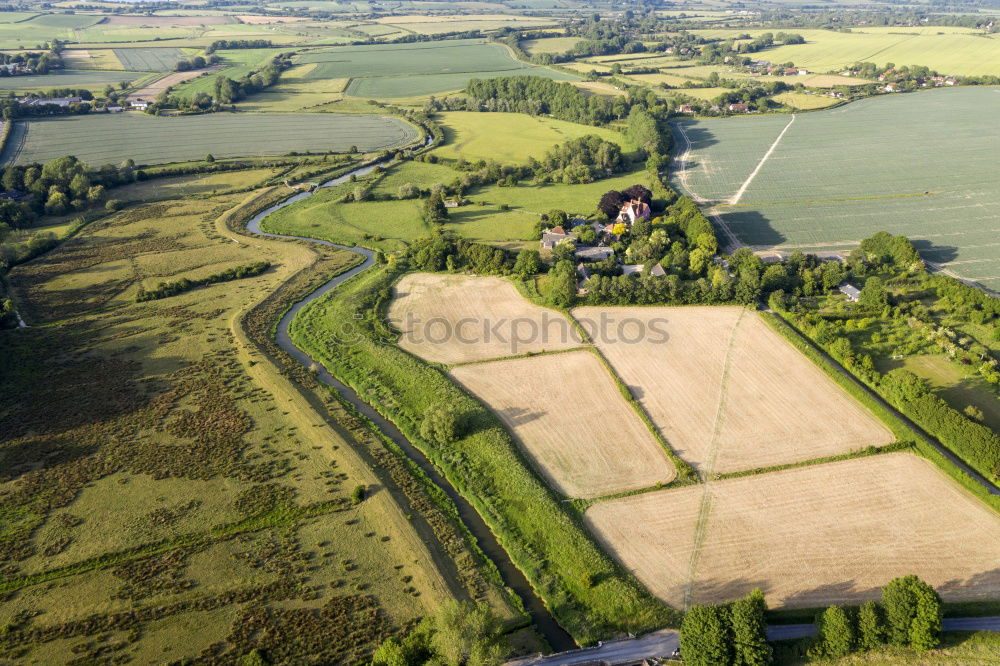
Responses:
[567,413]
[250,19]
[727,392]
[168,21]
[455,319]
[103,59]
[804,101]
[150,91]
[810,536]
[598,88]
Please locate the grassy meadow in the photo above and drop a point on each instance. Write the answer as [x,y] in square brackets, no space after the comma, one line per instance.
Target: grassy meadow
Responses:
[870,174]
[231,493]
[511,137]
[390,225]
[103,138]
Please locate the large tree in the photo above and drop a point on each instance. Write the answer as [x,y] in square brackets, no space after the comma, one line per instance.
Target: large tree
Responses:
[705,636]
[468,634]
[611,203]
[750,646]
[871,627]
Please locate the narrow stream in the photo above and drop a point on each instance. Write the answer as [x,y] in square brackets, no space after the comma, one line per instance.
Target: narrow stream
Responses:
[544,623]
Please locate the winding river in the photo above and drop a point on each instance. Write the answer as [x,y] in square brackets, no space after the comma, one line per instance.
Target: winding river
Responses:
[513,578]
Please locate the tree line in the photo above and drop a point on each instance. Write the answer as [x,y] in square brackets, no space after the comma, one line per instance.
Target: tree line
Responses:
[167,289]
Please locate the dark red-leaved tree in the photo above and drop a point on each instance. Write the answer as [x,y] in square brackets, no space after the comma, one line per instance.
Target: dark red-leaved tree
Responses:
[611,203]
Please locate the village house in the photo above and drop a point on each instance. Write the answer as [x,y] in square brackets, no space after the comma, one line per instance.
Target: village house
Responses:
[685,108]
[849,290]
[553,237]
[631,269]
[739,108]
[634,210]
[139,105]
[594,253]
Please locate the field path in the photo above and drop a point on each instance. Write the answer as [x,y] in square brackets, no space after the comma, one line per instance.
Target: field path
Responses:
[743,188]
[705,508]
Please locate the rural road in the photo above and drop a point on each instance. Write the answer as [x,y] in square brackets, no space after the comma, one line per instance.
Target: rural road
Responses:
[626,651]
[663,643]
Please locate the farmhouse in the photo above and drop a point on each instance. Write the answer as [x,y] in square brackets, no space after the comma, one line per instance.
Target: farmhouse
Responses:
[139,104]
[634,210]
[741,108]
[552,238]
[597,253]
[685,108]
[849,290]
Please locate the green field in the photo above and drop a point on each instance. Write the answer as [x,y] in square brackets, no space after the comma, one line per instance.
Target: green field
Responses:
[953,51]
[99,139]
[94,80]
[407,70]
[149,60]
[392,224]
[239,62]
[511,137]
[838,176]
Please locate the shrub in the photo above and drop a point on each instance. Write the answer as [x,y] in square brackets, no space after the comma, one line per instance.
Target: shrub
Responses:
[871,626]
[705,636]
[440,424]
[836,632]
[358,494]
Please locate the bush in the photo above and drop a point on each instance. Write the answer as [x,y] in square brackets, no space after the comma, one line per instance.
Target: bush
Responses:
[705,636]
[358,494]
[871,626]
[836,633]
[440,424]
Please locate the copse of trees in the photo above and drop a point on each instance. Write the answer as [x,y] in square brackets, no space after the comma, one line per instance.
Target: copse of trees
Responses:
[723,634]
[229,44]
[909,615]
[460,633]
[167,289]
[56,188]
[581,160]
[537,96]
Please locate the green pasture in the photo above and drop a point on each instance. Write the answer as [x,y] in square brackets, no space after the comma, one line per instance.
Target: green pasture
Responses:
[885,163]
[948,50]
[238,63]
[111,138]
[498,215]
[93,80]
[408,70]
[149,59]
[959,389]
[511,137]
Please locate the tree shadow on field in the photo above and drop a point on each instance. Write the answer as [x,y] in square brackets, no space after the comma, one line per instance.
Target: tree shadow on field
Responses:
[723,590]
[984,585]
[841,592]
[698,135]
[750,227]
[517,416]
[939,254]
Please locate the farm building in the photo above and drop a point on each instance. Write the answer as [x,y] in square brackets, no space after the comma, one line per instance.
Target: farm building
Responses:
[58,101]
[685,108]
[598,253]
[741,108]
[552,238]
[139,104]
[849,290]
